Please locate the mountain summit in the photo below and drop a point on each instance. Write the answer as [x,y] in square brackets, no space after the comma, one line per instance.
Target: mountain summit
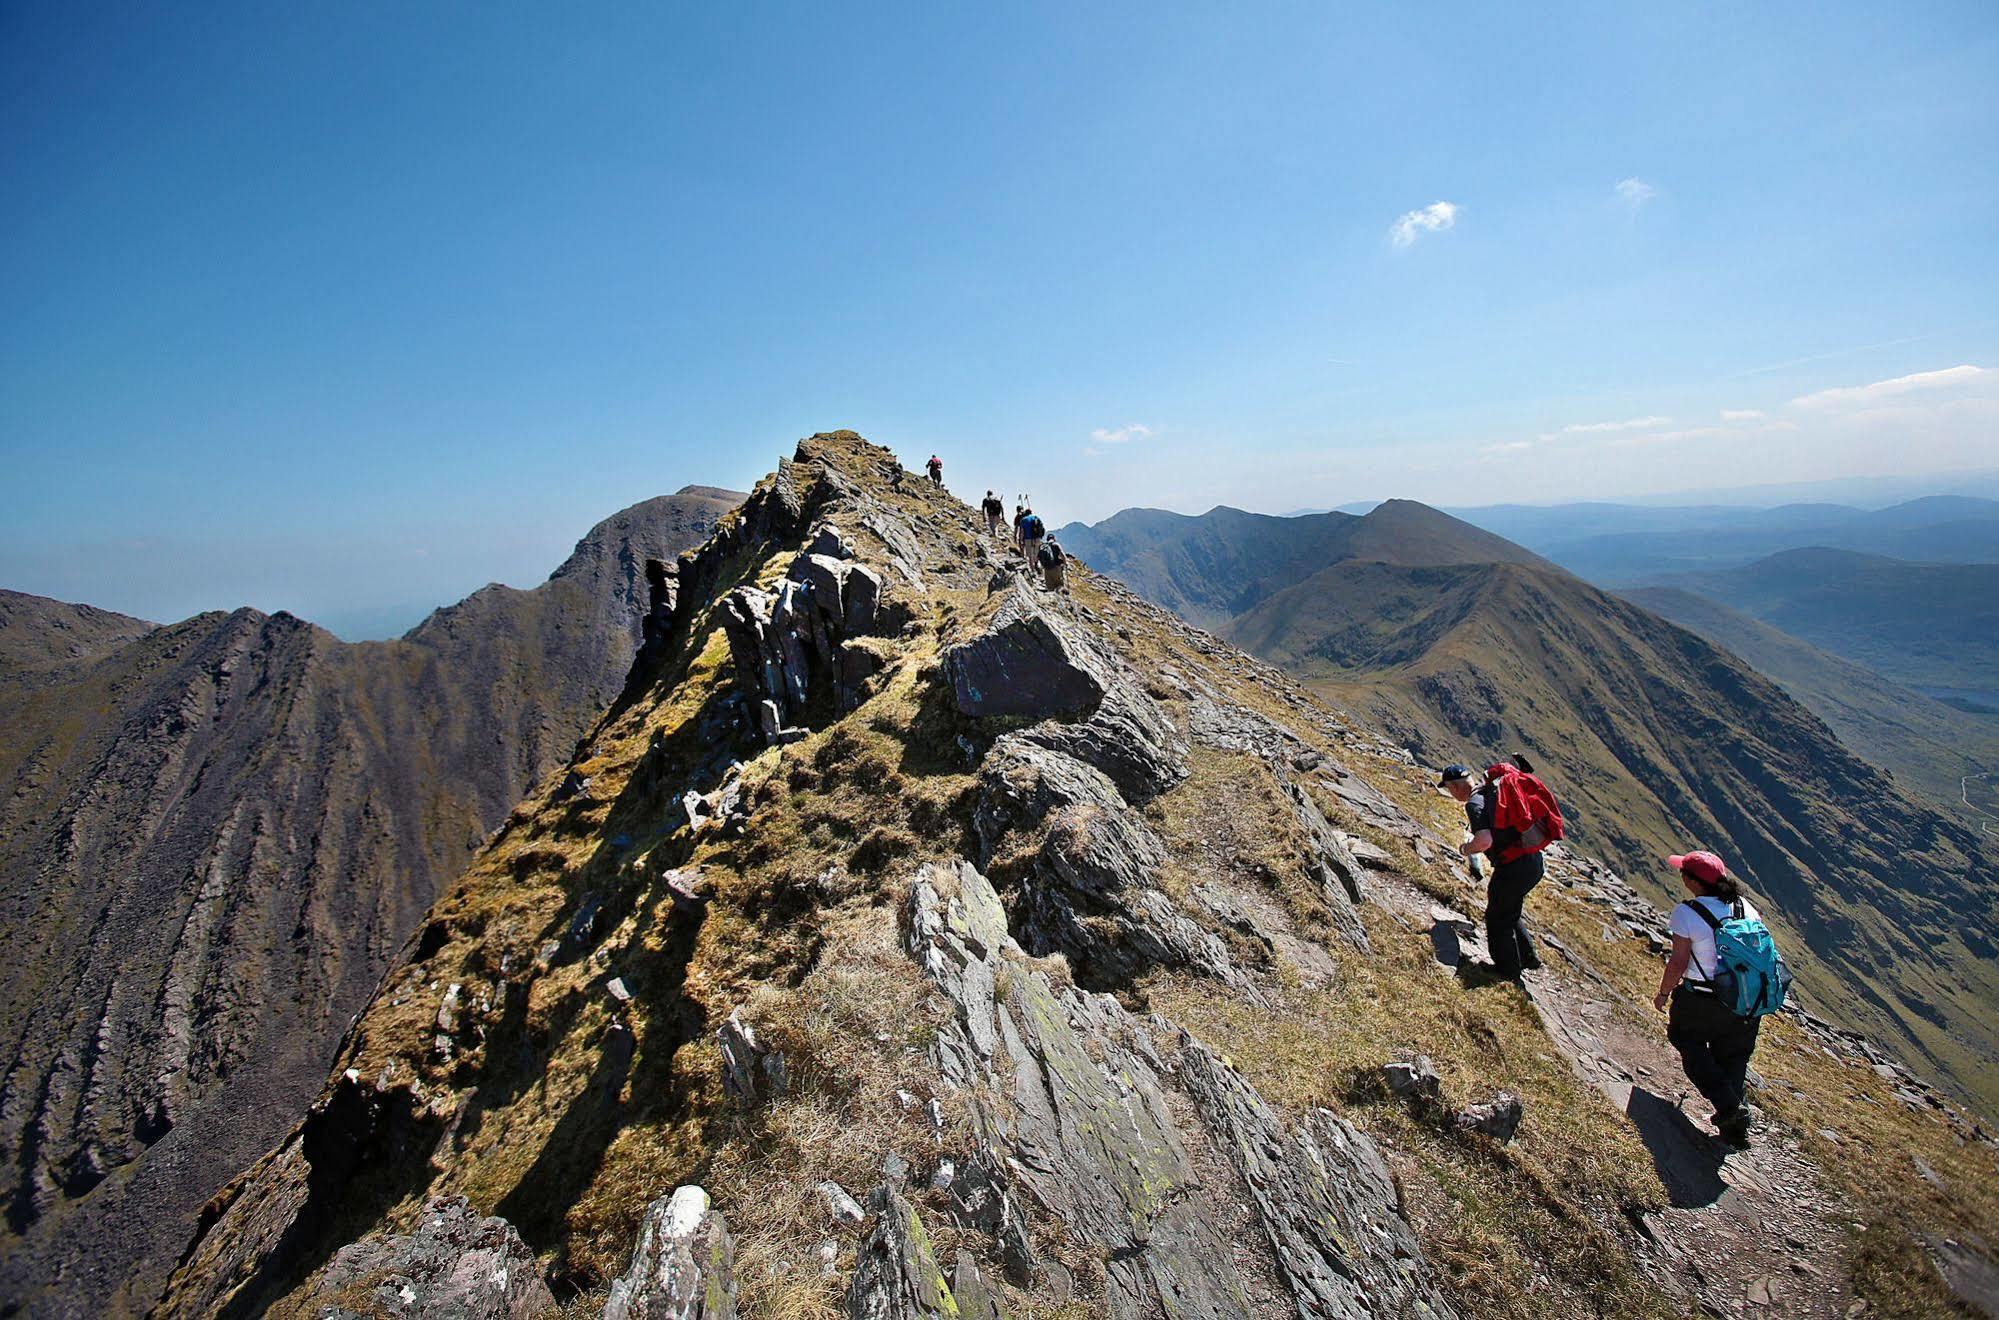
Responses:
[911,941]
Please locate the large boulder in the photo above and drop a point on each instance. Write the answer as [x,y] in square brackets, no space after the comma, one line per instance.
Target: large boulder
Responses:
[1030,662]
[455,1263]
[1023,664]
[683,1266]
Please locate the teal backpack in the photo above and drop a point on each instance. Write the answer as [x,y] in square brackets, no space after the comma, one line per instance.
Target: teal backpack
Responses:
[1749,974]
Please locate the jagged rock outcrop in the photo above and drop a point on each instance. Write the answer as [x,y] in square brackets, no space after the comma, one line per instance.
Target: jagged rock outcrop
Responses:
[453,1263]
[1090,705]
[1086,1123]
[1081,1115]
[683,1266]
[1323,1195]
[214,837]
[1083,867]
[896,1275]
[797,648]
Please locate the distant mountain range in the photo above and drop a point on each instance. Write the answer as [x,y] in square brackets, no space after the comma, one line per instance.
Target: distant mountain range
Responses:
[1622,544]
[1467,646]
[214,835]
[1210,568]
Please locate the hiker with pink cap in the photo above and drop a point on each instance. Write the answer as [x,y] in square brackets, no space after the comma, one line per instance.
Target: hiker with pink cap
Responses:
[1723,977]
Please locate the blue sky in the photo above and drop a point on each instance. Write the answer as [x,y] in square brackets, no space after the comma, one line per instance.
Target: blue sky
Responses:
[349,309]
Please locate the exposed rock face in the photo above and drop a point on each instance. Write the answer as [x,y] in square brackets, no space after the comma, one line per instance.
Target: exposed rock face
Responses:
[1324,1197]
[1082,1117]
[454,1263]
[683,1267]
[1070,1092]
[896,1276]
[795,649]
[214,836]
[1089,887]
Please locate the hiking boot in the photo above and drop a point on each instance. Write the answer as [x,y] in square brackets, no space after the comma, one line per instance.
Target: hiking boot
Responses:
[1734,1128]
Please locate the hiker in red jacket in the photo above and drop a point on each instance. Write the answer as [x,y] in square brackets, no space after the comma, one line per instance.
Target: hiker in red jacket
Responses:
[1511,836]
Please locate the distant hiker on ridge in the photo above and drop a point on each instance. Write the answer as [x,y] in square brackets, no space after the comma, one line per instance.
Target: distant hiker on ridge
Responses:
[936,469]
[1053,562]
[994,511]
[1019,512]
[1722,977]
[1512,817]
[1031,531]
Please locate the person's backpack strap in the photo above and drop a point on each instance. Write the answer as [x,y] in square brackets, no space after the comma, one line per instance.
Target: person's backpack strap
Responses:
[1714,923]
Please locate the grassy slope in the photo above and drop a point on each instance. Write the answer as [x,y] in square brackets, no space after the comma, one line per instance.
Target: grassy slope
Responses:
[1658,741]
[1927,746]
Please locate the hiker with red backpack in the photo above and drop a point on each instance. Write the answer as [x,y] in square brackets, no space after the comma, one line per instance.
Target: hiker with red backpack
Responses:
[1512,817]
[1722,978]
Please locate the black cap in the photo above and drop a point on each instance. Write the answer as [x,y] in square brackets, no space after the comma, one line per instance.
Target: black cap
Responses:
[1453,772]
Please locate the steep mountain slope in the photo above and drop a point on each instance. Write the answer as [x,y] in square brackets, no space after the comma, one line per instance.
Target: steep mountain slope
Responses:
[1925,744]
[1046,919]
[1922,625]
[37,634]
[1659,741]
[1210,568]
[213,837]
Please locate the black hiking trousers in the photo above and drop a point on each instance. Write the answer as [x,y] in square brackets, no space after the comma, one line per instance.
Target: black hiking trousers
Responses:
[1714,1046]
[1505,931]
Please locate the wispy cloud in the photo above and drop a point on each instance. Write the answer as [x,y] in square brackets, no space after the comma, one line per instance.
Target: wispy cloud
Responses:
[1576,429]
[1742,414]
[1881,391]
[1412,225]
[1628,424]
[1121,435]
[1686,435]
[1635,192]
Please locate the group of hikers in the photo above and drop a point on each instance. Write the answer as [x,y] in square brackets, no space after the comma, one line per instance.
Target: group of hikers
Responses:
[1723,973]
[1031,540]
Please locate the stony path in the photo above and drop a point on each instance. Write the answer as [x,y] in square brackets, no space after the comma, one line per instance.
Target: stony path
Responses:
[1745,1233]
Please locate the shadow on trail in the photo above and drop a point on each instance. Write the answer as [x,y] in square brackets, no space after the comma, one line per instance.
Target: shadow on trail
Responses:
[1689,1163]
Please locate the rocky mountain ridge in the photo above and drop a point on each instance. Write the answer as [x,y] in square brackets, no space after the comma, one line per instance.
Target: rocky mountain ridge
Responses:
[214,836]
[1072,939]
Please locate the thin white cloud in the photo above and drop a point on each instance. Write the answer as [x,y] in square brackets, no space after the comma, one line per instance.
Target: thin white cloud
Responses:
[1628,424]
[1121,435]
[1860,396]
[1635,192]
[1742,414]
[1508,447]
[1693,433]
[1432,219]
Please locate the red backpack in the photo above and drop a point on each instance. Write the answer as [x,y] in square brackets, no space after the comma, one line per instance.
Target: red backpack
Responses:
[1522,802]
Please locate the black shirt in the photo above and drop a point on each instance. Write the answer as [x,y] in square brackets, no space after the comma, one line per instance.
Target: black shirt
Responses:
[1478,814]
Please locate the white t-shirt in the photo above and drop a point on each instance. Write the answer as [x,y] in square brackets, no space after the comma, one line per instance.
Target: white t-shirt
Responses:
[1688,923]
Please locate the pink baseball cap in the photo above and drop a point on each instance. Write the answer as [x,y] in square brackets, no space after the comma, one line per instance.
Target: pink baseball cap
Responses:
[1702,866]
